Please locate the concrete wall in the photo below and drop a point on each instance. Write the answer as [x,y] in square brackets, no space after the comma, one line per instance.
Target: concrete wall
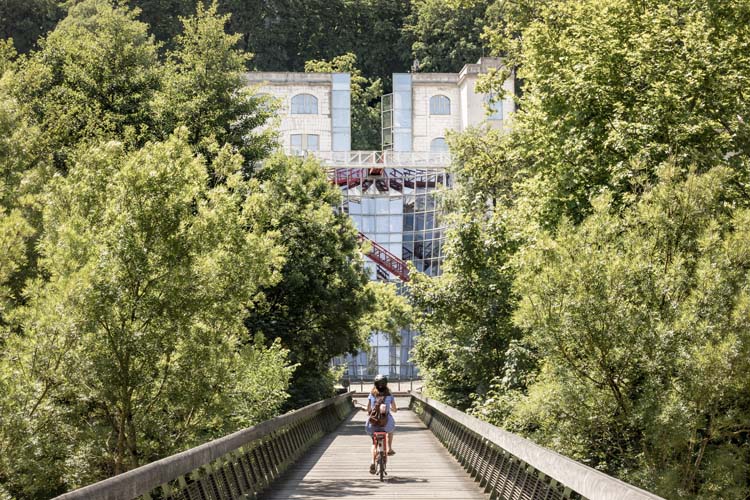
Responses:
[468,107]
[284,86]
[426,126]
[474,107]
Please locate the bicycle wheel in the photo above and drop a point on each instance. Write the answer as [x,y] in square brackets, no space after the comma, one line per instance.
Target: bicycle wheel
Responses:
[381,464]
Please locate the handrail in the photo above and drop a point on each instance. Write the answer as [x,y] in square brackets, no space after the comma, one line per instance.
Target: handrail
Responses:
[380,255]
[507,464]
[238,464]
[379,159]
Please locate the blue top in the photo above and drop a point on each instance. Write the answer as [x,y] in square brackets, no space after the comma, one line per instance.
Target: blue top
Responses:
[390,425]
[388,401]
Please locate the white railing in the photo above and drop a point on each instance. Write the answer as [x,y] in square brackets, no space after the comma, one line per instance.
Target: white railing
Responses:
[382,159]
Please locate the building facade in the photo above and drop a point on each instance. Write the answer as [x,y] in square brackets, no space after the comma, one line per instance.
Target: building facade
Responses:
[392,195]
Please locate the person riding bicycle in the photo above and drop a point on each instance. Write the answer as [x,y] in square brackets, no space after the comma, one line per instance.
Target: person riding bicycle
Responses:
[381,391]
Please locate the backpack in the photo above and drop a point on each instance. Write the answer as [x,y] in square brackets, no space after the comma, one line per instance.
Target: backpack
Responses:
[376,418]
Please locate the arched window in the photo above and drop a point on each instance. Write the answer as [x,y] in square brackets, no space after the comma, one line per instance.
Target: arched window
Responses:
[438,145]
[304,104]
[494,107]
[440,105]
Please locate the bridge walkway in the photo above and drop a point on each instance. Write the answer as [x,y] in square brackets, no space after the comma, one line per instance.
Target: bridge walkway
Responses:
[337,466]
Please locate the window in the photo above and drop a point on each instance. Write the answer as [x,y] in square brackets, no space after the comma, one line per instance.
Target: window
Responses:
[438,145]
[440,105]
[494,107]
[304,142]
[304,104]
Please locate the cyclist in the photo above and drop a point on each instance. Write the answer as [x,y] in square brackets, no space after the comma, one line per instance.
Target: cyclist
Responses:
[381,390]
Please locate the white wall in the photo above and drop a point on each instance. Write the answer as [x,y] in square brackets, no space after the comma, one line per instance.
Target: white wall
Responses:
[427,127]
[319,124]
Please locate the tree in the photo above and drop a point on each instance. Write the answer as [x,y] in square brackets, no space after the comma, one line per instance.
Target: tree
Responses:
[467,337]
[633,320]
[365,98]
[27,21]
[24,169]
[615,208]
[376,37]
[446,35]
[317,306]
[91,80]
[613,88]
[284,35]
[163,18]
[134,347]
[204,90]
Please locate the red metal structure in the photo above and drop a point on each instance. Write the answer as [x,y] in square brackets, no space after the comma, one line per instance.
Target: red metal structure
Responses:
[383,257]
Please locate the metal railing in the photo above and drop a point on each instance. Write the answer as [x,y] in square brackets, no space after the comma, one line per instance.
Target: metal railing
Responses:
[511,467]
[379,159]
[398,387]
[380,255]
[236,466]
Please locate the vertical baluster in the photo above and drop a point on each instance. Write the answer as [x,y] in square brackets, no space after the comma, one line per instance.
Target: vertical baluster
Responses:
[252,469]
[209,483]
[260,468]
[281,441]
[243,466]
[511,478]
[486,476]
[272,458]
[484,458]
[230,467]
[502,474]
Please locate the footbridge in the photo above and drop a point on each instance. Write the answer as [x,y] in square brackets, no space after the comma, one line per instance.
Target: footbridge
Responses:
[321,451]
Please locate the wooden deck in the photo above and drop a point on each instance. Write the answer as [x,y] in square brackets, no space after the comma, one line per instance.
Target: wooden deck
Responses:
[338,467]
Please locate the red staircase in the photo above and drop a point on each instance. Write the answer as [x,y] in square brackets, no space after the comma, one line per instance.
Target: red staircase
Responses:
[383,257]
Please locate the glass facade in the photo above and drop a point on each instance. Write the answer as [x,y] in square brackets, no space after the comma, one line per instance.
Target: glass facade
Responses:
[400,209]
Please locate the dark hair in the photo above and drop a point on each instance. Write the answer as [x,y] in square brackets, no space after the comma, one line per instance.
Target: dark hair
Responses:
[375,392]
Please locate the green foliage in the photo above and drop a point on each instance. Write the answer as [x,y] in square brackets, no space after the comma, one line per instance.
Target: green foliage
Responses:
[204,90]
[285,35]
[613,88]
[467,335]
[390,313]
[164,17]
[25,21]
[634,319]
[133,347]
[365,99]
[316,308]
[23,172]
[610,224]
[149,302]
[91,80]
[446,35]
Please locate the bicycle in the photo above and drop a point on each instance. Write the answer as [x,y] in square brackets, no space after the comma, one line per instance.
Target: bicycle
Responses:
[379,439]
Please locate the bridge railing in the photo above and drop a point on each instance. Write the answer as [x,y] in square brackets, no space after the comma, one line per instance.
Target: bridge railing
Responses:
[235,466]
[508,466]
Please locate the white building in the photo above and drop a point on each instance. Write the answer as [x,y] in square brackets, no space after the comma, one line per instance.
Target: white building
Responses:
[424,106]
[390,194]
[315,108]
